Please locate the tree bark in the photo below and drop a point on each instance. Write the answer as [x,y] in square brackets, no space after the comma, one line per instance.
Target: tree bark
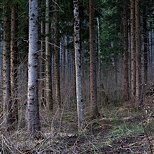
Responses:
[42,64]
[126,55]
[49,99]
[33,104]
[93,82]
[57,55]
[145,36]
[138,53]
[6,67]
[14,64]
[133,52]
[78,69]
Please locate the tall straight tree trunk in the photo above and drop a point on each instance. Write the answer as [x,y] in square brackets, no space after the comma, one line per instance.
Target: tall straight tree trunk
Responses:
[33,104]
[133,52]
[99,49]
[78,68]
[14,64]
[42,64]
[57,55]
[138,53]
[145,35]
[126,55]
[93,82]
[49,100]
[6,66]
[64,57]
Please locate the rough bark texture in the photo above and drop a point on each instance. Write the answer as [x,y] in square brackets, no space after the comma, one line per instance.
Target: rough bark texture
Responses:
[138,53]
[14,64]
[93,82]
[77,47]
[126,55]
[6,66]
[33,104]
[57,55]
[133,52]
[49,100]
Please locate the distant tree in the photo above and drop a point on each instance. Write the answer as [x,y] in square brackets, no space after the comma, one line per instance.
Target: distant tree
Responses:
[57,53]
[42,58]
[138,52]
[133,51]
[126,54]
[146,37]
[49,100]
[33,104]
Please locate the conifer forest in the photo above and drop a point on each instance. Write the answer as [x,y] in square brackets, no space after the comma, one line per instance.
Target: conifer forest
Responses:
[76,76]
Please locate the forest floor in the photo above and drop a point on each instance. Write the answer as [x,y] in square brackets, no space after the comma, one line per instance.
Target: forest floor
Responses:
[120,130]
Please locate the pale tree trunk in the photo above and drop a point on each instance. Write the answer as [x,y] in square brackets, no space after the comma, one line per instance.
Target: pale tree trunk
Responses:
[57,55]
[14,64]
[49,100]
[133,52]
[6,66]
[33,104]
[93,82]
[78,69]
[138,53]
[126,55]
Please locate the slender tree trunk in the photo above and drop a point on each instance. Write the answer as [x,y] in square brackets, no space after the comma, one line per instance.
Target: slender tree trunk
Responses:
[33,104]
[49,99]
[151,40]
[57,55]
[126,55]
[138,53]
[99,49]
[14,63]
[78,69]
[64,58]
[42,65]
[115,64]
[93,82]
[6,67]
[145,35]
[133,52]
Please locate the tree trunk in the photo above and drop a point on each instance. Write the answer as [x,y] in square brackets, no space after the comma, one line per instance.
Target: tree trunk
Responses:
[42,65]
[99,49]
[57,55]
[49,99]
[6,67]
[14,64]
[126,55]
[138,53]
[133,52]
[93,82]
[78,69]
[145,36]
[33,104]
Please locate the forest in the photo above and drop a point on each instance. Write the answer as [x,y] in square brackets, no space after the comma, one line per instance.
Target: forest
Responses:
[76,76]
